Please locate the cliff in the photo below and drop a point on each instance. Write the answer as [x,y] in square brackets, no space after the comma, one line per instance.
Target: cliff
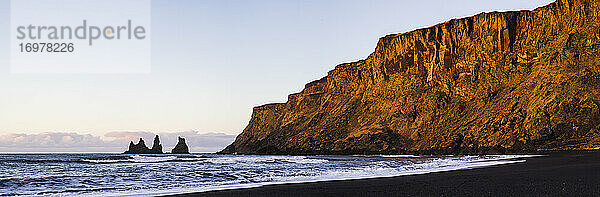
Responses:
[497,82]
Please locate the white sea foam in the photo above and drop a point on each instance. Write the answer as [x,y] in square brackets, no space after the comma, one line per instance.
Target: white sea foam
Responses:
[101,160]
[263,159]
[399,156]
[374,170]
[151,159]
[381,170]
[219,172]
[304,160]
[377,170]
[142,159]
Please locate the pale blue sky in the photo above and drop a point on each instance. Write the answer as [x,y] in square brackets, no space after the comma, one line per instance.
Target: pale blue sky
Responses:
[212,61]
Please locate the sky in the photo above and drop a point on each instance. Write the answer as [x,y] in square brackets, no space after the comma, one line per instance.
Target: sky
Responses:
[211,62]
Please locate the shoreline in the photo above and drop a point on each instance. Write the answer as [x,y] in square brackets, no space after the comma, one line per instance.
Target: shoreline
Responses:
[554,174]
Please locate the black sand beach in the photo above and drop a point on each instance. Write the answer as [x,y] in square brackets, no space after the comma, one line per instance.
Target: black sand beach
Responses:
[557,174]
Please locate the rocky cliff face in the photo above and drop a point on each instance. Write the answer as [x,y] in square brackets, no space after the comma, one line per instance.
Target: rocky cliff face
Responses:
[496,82]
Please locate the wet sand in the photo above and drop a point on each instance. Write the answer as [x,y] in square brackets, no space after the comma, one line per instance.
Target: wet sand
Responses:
[557,174]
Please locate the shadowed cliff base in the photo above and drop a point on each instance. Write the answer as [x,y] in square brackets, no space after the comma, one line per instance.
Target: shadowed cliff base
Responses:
[498,82]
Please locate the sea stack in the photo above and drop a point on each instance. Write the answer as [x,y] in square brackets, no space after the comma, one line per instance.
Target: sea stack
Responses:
[181,147]
[141,148]
[156,146]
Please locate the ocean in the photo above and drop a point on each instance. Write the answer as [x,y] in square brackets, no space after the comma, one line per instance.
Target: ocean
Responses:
[142,175]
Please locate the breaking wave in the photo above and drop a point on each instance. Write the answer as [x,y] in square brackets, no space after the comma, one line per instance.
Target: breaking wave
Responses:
[143,159]
[143,175]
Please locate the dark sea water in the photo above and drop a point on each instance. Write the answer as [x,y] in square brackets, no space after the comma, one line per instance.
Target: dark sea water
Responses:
[137,175]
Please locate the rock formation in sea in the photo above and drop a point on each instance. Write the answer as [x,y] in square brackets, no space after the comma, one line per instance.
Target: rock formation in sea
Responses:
[156,146]
[519,81]
[141,148]
[181,147]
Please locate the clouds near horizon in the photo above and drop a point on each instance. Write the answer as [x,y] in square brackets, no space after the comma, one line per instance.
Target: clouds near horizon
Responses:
[111,142]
